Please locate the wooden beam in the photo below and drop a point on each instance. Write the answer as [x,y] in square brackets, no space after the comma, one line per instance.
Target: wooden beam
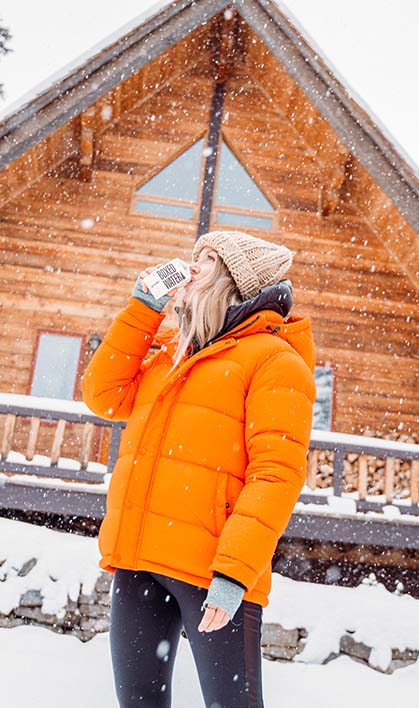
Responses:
[87,146]
[302,525]
[90,504]
[210,169]
[377,532]
[226,45]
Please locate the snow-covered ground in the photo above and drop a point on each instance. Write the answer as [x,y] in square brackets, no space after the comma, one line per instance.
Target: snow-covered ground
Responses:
[65,564]
[39,668]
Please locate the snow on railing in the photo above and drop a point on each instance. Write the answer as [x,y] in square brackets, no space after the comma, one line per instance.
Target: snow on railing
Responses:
[58,414]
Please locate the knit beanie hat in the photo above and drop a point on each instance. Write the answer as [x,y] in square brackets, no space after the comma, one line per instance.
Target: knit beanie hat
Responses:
[253,262]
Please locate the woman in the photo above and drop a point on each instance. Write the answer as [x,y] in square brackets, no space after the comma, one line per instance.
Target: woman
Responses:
[211,463]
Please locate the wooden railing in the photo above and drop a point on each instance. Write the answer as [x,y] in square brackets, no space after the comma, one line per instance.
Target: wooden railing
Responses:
[36,411]
[82,467]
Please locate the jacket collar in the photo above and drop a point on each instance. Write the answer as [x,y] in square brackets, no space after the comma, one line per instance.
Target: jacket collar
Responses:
[276,298]
[264,313]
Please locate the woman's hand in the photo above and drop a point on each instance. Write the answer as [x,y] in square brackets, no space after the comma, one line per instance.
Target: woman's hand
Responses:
[214,618]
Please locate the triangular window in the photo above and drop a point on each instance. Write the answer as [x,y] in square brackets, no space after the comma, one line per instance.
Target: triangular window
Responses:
[173,192]
[239,201]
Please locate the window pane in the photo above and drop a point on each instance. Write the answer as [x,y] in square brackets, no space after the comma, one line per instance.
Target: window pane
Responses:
[178,211]
[56,366]
[257,222]
[180,178]
[235,187]
[322,419]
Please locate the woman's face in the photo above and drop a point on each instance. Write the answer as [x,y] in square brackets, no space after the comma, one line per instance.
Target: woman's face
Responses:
[204,265]
[200,269]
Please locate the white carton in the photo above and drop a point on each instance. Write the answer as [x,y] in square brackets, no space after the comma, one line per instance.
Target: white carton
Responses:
[171,275]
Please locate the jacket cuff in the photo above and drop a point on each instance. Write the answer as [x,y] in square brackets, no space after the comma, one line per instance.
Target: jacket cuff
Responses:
[149,299]
[225,594]
[217,574]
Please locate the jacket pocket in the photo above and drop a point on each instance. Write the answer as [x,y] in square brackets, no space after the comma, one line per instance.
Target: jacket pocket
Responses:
[221,502]
[227,492]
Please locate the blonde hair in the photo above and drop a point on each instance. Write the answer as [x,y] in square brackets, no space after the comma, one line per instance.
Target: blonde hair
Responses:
[203,315]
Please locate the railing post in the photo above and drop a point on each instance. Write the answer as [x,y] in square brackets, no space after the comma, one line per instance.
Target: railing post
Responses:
[313,460]
[33,437]
[57,442]
[88,430]
[389,480]
[414,481]
[338,467]
[9,429]
[362,477]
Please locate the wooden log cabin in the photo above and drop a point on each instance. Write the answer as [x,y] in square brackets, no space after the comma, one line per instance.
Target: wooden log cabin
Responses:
[209,115]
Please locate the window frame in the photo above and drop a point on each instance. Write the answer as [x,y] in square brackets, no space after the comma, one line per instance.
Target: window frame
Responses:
[79,368]
[245,212]
[203,135]
[330,365]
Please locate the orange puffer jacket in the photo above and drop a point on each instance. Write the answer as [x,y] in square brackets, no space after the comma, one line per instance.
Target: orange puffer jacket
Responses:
[213,457]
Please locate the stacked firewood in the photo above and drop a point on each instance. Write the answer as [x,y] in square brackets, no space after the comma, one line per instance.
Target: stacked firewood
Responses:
[375,467]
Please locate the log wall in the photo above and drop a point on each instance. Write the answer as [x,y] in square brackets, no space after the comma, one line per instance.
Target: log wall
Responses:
[71,246]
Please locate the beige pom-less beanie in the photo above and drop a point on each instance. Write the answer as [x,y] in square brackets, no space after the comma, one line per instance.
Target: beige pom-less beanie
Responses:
[252,262]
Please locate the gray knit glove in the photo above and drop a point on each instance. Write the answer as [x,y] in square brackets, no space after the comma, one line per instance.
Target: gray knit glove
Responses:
[225,594]
[149,299]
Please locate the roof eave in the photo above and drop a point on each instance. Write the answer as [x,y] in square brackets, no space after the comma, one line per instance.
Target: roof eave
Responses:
[100,74]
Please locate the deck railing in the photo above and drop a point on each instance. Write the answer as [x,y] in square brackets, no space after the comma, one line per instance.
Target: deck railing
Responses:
[80,467]
[342,445]
[83,467]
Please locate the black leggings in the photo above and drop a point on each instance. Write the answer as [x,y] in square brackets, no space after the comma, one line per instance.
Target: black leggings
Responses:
[148,611]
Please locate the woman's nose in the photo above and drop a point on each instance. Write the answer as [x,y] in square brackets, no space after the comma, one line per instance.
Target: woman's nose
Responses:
[194,268]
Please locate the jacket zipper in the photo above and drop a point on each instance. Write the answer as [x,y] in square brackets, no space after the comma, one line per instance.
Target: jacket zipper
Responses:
[227,345]
[151,480]
[232,332]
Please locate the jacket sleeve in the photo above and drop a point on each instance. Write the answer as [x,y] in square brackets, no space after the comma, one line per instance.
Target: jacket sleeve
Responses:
[111,379]
[279,409]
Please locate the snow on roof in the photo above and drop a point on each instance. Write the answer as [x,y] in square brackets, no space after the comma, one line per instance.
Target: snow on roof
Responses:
[371,46]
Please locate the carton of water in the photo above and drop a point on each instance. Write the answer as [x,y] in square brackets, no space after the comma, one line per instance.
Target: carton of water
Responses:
[171,275]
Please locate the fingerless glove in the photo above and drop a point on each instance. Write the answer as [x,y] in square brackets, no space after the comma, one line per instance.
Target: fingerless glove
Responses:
[224,593]
[149,299]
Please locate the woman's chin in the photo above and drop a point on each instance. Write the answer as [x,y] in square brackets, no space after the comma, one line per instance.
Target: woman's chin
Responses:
[182,296]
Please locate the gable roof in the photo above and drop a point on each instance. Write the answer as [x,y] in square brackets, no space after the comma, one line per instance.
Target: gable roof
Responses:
[129,52]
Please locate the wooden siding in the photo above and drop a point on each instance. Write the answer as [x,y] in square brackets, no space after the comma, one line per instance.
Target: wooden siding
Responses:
[65,144]
[360,195]
[346,184]
[300,113]
[71,247]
